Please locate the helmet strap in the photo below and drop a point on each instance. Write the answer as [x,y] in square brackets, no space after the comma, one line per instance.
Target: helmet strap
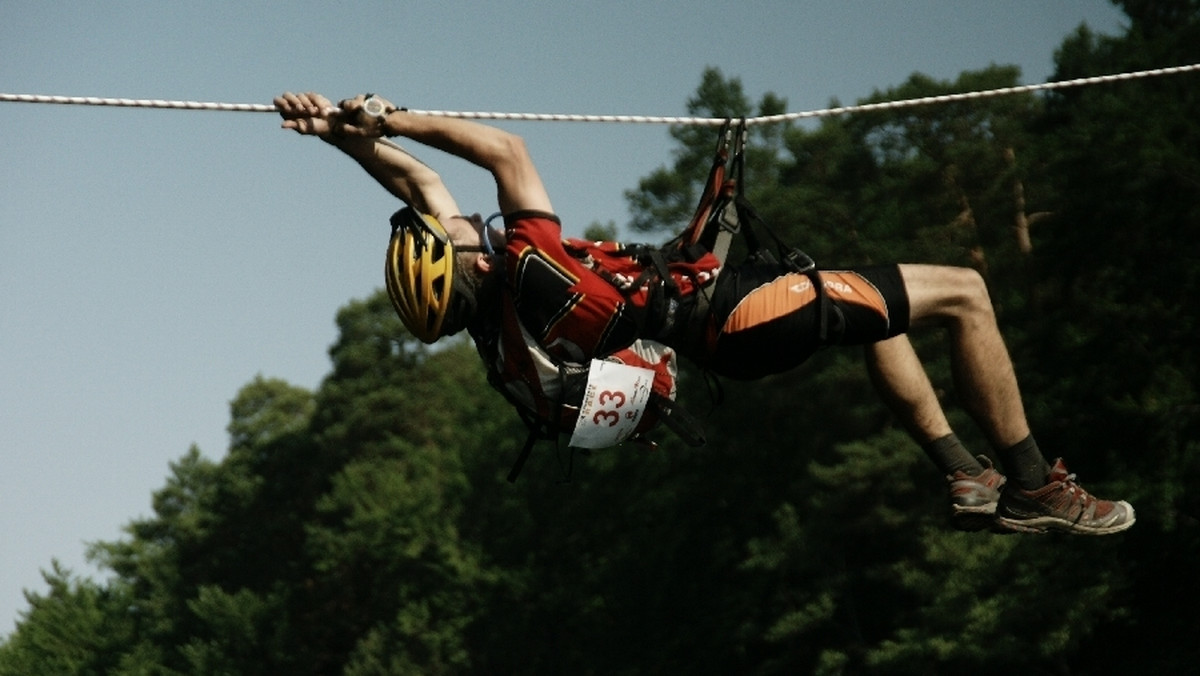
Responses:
[485,238]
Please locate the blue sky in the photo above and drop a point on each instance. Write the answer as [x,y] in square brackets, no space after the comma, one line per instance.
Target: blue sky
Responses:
[152,262]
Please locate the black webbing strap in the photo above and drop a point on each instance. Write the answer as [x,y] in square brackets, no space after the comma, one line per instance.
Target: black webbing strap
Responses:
[697,232]
[540,430]
[523,456]
[793,258]
[678,421]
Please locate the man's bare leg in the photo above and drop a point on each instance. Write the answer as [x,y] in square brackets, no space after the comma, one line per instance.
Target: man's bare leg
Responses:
[1044,497]
[983,372]
[904,386]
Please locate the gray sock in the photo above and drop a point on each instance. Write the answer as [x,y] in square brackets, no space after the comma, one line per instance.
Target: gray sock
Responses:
[1025,464]
[951,456]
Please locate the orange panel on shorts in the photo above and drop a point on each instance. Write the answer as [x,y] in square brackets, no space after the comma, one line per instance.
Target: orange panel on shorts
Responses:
[793,291]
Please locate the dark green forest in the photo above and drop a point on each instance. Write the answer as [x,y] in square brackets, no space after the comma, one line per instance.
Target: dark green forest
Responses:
[367,528]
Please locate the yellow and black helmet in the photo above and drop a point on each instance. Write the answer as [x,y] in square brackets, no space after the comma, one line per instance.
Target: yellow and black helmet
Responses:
[421,277]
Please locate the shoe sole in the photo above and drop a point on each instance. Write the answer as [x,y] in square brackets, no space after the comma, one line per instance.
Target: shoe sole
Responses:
[974,517]
[1046,524]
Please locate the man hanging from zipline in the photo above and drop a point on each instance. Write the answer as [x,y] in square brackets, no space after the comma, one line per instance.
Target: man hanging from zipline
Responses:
[582,336]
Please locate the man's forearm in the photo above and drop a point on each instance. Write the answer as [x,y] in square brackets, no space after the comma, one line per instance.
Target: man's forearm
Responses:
[400,173]
[480,144]
[501,153]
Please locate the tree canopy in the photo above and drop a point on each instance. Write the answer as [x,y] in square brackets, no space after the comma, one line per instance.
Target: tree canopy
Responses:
[366,528]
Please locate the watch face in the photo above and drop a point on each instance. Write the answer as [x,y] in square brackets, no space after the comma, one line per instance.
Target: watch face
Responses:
[373,107]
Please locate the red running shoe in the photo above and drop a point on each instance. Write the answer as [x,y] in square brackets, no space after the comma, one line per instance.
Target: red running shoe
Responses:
[973,498]
[1062,505]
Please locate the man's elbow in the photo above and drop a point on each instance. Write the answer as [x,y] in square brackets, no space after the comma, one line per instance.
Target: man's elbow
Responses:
[509,150]
[424,177]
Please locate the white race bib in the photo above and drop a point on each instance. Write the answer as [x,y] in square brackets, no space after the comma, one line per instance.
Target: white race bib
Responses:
[613,403]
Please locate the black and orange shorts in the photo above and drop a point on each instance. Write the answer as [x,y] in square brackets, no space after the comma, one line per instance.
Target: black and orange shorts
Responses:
[765,320]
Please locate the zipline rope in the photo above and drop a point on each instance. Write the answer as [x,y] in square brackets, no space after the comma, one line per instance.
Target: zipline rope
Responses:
[644,119]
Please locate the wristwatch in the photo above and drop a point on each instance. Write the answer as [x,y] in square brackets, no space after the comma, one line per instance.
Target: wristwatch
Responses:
[375,107]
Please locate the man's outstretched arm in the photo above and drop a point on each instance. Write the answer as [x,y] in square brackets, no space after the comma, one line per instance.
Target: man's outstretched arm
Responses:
[398,171]
[501,153]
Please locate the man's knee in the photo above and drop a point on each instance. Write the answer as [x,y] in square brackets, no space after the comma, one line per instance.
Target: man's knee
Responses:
[973,290]
[945,292]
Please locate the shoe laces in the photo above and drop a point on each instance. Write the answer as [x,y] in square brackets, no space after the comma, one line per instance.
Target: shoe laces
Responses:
[1076,492]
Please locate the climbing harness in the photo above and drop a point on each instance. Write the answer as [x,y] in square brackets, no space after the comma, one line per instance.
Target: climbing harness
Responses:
[722,213]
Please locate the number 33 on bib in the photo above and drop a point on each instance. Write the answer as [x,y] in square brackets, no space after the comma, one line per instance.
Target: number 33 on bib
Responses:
[613,404]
